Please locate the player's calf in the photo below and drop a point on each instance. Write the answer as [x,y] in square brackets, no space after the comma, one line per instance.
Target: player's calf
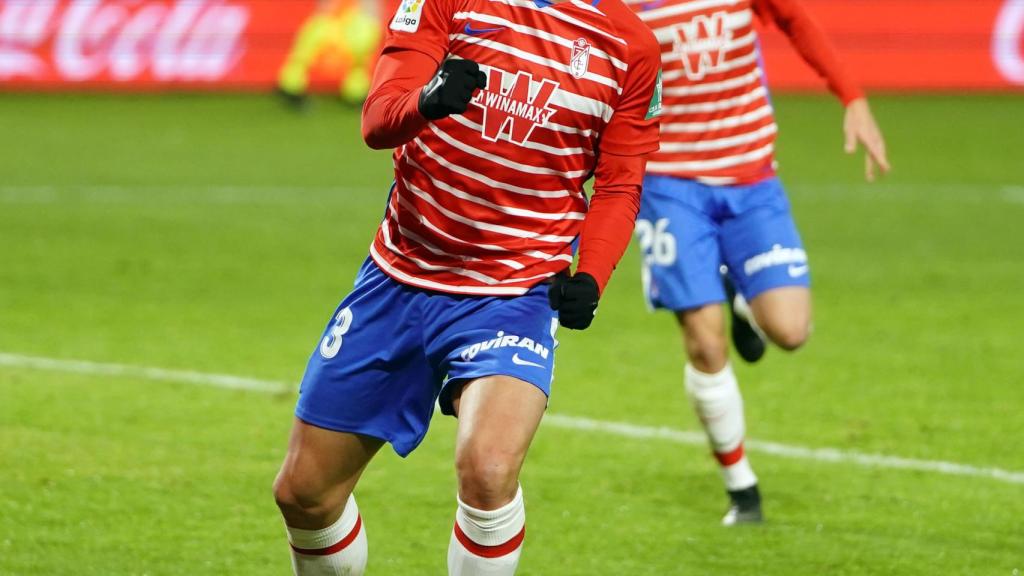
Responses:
[332,539]
[339,549]
[498,417]
[313,490]
[487,541]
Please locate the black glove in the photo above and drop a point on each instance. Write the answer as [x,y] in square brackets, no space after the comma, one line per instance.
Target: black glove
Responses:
[575,298]
[451,89]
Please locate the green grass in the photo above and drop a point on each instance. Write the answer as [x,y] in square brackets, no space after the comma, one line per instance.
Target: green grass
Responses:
[217,233]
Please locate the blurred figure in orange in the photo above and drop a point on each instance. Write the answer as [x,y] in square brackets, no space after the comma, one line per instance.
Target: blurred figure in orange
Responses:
[341,36]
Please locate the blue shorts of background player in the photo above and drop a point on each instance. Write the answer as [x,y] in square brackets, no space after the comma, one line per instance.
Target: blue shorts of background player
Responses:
[391,351]
[689,230]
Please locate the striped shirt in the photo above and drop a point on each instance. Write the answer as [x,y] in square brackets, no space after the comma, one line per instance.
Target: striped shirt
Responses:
[489,202]
[718,126]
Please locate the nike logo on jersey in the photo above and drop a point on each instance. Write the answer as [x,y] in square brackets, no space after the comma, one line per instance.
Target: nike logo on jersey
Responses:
[517,360]
[479,31]
[797,271]
[651,5]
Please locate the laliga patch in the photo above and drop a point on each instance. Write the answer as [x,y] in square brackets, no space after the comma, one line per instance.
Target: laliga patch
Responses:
[408,16]
[654,108]
[579,60]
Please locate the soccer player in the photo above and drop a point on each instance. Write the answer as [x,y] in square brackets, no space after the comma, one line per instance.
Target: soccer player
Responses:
[347,26]
[712,199]
[499,111]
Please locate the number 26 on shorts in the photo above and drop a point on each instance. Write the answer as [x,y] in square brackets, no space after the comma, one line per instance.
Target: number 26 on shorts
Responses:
[656,242]
[331,343]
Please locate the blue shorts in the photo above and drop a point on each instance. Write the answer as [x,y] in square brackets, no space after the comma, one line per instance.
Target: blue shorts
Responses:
[391,351]
[688,230]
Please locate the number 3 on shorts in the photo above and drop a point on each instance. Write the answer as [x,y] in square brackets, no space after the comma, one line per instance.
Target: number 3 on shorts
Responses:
[656,242]
[331,343]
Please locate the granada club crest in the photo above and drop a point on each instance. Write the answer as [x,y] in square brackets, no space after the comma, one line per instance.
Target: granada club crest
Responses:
[580,59]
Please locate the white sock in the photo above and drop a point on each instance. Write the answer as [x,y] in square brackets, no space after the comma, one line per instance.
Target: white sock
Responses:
[719,405]
[487,542]
[338,550]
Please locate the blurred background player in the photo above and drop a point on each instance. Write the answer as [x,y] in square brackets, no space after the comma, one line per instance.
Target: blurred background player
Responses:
[342,36]
[712,202]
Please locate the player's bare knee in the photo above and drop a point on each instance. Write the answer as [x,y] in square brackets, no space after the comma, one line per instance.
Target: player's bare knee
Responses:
[704,336]
[487,481]
[302,503]
[790,335]
[708,354]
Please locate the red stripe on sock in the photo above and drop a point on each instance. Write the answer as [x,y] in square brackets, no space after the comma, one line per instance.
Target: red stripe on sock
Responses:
[731,457]
[490,551]
[333,549]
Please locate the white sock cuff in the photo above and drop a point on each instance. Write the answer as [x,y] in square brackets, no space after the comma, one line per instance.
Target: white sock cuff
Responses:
[696,379]
[739,476]
[326,537]
[492,527]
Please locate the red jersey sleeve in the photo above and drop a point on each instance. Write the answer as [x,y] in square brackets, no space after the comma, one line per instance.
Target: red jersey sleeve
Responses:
[813,45]
[415,45]
[633,129]
[612,214]
[421,25]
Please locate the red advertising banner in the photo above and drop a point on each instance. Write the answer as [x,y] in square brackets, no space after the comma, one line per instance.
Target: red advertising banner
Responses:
[146,44]
[241,44]
[912,44]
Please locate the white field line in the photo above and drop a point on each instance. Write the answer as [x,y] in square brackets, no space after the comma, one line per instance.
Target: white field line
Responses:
[247,194]
[1013,194]
[228,194]
[146,373]
[621,429]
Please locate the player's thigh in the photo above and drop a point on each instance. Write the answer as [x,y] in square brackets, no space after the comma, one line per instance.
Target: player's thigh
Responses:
[498,417]
[784,314]
[498,355]
[320,470]
[679,242]
[760,242]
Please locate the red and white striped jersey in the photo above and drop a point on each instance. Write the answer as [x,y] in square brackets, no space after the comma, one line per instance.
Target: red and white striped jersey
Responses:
[489,202]
[717,123]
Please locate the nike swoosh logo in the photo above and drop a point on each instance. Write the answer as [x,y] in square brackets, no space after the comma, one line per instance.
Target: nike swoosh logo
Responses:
[478,31]
[797,271]
[517,360]
[651,5]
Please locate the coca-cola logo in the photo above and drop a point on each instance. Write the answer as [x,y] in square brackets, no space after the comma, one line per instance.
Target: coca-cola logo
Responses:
[80,40]
[1008,41]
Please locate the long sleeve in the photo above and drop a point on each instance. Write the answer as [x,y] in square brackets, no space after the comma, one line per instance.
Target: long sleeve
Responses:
[631,135]
[613,208]
[390,115]
[813,45]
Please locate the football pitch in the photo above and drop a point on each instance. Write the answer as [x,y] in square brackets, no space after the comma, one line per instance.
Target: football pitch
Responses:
[167,264]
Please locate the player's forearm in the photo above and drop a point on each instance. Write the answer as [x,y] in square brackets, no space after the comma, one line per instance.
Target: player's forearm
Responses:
[609,225]
[391,116]
[814,46]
